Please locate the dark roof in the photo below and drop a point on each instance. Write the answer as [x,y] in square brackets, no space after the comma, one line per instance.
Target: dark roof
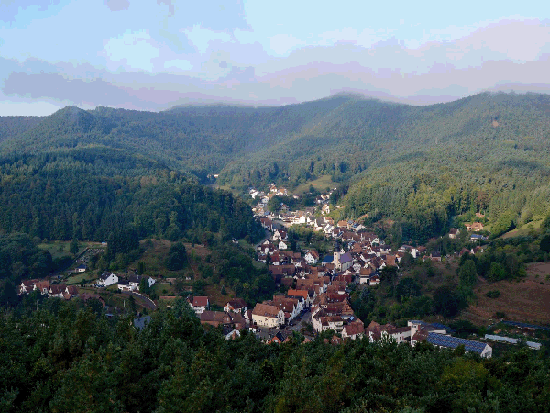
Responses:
[142,322]
[328,258]
[454,342]
[346,257]
[524,325]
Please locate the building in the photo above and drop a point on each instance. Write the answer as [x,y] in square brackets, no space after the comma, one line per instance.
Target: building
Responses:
[199,303]
[237,305]
[106,279]
[342,261]
[269,316]
[444,341]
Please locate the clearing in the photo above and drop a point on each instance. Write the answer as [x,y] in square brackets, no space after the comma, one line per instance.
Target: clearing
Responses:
[526,300]
[320,184]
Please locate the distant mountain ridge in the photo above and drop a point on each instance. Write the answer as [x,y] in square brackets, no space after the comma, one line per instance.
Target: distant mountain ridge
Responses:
[489,146]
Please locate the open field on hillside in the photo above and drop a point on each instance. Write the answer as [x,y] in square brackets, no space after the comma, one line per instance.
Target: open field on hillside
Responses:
[319,184]
[60,249]
[526,300]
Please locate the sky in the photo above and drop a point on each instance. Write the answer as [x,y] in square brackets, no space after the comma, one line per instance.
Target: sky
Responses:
[151,55]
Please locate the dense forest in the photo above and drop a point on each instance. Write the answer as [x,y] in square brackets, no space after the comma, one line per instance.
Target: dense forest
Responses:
[420,166]
[68,357]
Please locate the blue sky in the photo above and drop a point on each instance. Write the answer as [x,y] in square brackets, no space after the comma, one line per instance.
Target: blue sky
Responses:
[151,55]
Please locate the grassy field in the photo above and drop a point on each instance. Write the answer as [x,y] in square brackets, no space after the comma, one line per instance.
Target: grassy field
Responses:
[60,249]
[526,300]
[319,184]
[78,278]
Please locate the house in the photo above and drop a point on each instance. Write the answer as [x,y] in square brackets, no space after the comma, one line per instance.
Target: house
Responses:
[325,209]
[215,318]
[26,287]
[322,322]
[269,316]
[300,295]
[311,257]
[354,330]
[237,305]
[283,245]
[57,290]
[476,226]
[124,285]
[453,233]
[81,268]
[291,307]
[199,303]
[106,279]
[71,291]
[231,333]
[444,341]
[281,337]
[43,287]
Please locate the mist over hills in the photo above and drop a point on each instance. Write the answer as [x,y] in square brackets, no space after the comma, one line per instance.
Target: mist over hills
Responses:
[488,152]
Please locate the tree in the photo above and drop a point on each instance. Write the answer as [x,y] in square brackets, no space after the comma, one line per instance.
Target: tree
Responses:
[497,271]
[467,273]
[74,246]
[144,286]
[177,257]
[447,302]
[407,287]
[545,243]
[132,307]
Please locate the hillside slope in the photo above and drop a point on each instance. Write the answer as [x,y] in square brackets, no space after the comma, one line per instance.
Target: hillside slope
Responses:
[419,165]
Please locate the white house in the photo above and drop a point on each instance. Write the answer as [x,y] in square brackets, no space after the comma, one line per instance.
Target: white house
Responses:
[311,257]
[107,279]
[283,245]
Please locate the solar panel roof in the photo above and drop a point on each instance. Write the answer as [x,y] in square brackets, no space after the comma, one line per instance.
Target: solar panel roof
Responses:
[453,342]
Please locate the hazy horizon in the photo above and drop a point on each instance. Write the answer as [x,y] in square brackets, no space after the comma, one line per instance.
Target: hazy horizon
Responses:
[153,56]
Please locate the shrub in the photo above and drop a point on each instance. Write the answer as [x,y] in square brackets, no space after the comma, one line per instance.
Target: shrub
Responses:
[493,294]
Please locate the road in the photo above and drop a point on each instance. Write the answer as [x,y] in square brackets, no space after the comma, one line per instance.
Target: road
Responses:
[142,300]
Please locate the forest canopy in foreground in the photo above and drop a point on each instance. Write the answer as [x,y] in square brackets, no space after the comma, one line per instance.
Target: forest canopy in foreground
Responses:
[67,357]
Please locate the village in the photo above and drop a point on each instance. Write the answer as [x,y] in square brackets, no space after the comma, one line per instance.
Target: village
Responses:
[317,288]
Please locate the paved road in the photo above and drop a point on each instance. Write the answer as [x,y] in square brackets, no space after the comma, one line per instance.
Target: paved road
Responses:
[142,300]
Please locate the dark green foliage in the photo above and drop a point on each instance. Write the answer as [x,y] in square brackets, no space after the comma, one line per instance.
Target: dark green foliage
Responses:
[74,246]
[493,294]
[66,357]
[20,258]
[93,194]
[447,301]
[177,258]
[467,273]
[407,287]
[545,243]
[421,166]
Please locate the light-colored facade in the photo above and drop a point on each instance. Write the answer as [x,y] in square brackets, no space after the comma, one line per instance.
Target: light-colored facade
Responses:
[267,316]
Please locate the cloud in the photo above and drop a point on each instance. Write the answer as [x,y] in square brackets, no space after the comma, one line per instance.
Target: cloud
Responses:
[117,5]
[10,9]
[281,44]
[201,38]
[134,50]
[178,64]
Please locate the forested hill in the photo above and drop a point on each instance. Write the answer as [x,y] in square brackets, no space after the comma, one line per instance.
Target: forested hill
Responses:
[418,165]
